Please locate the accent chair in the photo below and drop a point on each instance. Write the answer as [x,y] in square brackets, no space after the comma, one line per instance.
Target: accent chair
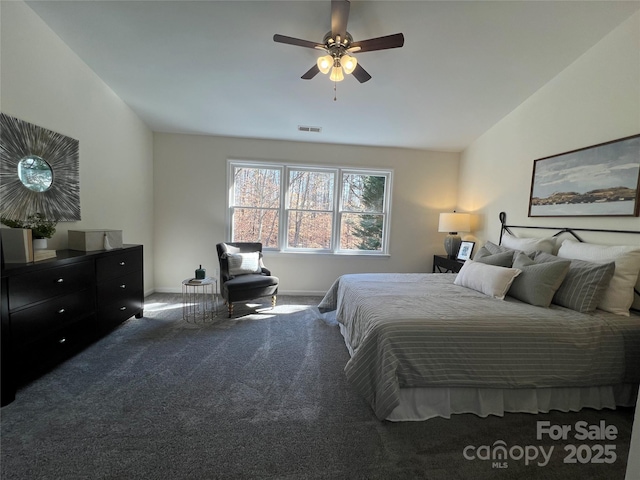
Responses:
[243,275]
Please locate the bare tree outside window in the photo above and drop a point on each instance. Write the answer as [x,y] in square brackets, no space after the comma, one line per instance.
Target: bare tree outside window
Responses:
[256,209]
[310,218]
[316,209]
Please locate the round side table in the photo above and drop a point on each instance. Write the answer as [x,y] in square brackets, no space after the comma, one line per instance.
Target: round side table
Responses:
[199,299]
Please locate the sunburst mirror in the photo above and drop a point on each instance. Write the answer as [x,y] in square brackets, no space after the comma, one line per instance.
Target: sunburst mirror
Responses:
[39,172]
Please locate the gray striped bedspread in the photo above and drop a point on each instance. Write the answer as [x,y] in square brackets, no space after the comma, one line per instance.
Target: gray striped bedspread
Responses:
[421,330]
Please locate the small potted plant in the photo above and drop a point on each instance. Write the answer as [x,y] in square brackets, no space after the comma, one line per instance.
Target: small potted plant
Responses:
[41,228]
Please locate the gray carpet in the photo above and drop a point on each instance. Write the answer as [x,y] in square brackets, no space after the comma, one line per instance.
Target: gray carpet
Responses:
[259,396]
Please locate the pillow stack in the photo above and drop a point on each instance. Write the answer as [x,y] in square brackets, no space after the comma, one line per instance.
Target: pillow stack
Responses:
[618,296]
[582,276]
[539,281]
[584,285]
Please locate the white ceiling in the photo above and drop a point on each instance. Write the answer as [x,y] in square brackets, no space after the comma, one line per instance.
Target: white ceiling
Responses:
[211,67]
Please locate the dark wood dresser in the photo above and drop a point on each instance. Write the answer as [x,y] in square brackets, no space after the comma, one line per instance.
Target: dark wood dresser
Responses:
[53,308]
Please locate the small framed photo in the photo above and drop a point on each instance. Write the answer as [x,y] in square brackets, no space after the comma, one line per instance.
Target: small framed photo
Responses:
[466,248]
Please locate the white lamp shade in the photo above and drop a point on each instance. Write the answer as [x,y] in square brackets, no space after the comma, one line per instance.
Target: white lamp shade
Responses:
[454,222]
[336,74]
[325,63]
[348,63]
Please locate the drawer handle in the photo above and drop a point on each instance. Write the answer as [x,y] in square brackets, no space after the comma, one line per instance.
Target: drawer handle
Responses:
[122,264]
[61,310]
[60,280]
[62,340]
[123,308]
[123,286]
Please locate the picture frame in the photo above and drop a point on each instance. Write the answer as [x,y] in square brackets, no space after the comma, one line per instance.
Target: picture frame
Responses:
[595,181]
[39,172]
[465,250]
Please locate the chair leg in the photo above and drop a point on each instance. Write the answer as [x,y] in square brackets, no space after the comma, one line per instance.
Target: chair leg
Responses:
[273,301]
[230,305]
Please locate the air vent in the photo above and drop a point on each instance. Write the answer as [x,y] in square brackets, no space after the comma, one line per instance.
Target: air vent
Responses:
[304,128]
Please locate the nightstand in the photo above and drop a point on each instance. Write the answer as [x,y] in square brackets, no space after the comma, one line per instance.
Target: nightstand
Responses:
[444,264]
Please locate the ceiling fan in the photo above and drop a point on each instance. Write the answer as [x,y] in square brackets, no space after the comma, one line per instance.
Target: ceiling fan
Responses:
[339,45]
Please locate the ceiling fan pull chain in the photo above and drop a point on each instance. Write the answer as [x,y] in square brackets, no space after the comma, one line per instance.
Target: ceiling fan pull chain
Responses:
[334,91]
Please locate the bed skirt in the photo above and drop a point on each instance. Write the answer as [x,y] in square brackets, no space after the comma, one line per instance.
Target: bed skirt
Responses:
[418,404]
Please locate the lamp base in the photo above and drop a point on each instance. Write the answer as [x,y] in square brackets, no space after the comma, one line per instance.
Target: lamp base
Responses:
[452,244]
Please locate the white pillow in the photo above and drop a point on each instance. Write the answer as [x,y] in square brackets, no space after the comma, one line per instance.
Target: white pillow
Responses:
[528,245]
[488,279]
[244,263]
[619,295]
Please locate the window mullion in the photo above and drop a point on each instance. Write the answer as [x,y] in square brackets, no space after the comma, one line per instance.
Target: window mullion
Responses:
[284,195]
[337,207]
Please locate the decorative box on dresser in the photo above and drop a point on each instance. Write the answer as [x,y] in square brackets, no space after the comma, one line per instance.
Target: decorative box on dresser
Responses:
[54,308]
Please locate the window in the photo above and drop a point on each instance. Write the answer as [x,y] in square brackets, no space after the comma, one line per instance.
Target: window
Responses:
[256,205]
[309,209]
[362,216]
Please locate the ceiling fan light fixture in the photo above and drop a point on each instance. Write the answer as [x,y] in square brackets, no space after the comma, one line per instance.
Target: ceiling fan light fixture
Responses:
[336,74]
[348,63]
[339,45]
[325,63]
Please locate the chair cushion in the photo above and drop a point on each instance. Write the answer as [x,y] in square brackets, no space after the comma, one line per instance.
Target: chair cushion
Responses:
[250,281]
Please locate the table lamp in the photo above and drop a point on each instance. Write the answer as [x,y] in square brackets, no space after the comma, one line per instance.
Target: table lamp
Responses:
[452,223]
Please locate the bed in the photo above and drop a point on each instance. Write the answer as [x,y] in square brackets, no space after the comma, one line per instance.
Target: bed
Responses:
[423,346]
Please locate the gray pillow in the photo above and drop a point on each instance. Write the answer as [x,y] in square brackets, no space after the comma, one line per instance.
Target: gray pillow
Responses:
[585,283]
[539,281]
[490,249]
[504,259]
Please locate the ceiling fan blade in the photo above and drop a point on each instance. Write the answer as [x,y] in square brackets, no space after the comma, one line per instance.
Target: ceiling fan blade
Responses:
[361,74]
[339,18]
[380,43]
[312,72]
[296,41]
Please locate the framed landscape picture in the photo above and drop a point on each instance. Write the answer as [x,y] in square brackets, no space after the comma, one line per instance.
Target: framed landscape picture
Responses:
[601,180]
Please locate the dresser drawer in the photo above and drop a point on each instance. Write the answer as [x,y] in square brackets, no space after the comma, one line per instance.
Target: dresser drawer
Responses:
[117,312]
[41,355]
[117,289]
[117,264]
[31,324]
[43,284]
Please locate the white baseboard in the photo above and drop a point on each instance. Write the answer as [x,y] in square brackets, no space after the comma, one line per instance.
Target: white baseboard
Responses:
[302,293]
[293,293]
[167,290]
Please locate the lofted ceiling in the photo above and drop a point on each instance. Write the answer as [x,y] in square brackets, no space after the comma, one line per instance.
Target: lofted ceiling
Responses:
[211,67]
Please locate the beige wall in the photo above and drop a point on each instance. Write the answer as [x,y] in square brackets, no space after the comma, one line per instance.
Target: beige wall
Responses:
[45,83]
[596,99]
[191,198]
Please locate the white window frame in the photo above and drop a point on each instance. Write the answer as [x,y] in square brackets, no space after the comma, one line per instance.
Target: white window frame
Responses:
[338,211]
